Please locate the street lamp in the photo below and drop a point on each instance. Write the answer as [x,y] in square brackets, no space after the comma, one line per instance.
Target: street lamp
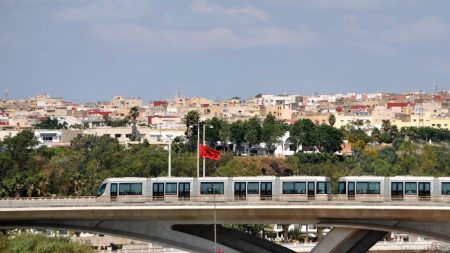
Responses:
[211,190]
[170,157]
[198,147]
[204,126]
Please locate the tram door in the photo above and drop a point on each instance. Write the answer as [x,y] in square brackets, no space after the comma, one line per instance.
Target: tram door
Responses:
[239,191]
[351,190]
[397,191]
[311,191]
[266,190]
[158,191]
[113,193]
[184,191]
[424,191]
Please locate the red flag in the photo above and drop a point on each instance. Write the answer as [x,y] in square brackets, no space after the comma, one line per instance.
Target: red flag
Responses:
[207,152]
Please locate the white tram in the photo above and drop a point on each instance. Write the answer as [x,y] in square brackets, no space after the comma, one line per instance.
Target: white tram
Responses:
[261,188]
[398,188]
[295,188]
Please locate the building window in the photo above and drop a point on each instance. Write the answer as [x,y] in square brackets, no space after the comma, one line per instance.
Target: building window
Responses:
[47,138]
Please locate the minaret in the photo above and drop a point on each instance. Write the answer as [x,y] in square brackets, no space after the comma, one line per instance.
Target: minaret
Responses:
[6,94]
[178,95]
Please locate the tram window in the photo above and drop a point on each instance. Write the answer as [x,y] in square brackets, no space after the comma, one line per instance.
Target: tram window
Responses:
[410,188]
[136,189]
[294,187]
[130,189]
[288,188]
[171,188]
[253,188]
[321,188]
[446,188]
[424,189]
[217,186]
[374,188]
[101,190]
[300,187]
[361,188]
[328,187]
[341,188]
[368,188]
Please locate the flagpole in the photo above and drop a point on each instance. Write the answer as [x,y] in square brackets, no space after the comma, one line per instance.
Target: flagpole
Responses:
[204,125]
[198,149]
[204,141]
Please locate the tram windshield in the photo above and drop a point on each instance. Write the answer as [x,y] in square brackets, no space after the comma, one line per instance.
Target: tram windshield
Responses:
[101,190]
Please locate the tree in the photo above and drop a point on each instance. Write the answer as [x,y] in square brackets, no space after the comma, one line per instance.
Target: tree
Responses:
[178,145]
[271,131]
[237,134]
[20,175]
[252,132]
[329,139]
[408,158]
[285,232]
[332,120]
[388,132]
[49,123]
[191,119]
[134,113]
[357,137]
[303,132]
[376,134]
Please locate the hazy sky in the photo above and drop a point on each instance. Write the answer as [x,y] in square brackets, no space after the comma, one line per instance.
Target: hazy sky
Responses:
[88,50]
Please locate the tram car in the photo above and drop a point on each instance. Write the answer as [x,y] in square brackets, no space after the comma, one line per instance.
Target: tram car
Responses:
[443,188]
[409,188]
[398,188]
[362,188]
[263,188]
[260,188]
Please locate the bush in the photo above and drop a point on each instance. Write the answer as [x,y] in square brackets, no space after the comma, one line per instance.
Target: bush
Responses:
[39,243]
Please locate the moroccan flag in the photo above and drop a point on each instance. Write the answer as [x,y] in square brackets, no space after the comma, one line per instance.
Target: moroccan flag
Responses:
[207,152]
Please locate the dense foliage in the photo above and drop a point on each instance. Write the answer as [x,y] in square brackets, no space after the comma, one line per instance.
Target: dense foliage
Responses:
[39,243]
[29,170]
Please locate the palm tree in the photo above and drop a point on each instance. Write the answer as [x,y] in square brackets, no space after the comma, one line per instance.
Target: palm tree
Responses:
[134,113]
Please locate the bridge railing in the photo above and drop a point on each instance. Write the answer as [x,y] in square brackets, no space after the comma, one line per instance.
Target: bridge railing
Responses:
[72,201]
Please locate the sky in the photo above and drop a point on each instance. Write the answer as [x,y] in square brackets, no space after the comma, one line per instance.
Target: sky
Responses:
[87,50]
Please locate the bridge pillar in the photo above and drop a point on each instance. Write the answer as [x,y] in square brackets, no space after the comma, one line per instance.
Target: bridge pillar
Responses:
[348,240]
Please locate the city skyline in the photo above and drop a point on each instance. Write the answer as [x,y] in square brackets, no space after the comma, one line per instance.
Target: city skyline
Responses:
[91,51]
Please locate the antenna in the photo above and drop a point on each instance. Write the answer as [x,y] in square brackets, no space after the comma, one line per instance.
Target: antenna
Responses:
[436,86]
[7,92]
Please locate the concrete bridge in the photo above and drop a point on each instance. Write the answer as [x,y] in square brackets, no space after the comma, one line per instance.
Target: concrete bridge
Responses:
[189,225]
